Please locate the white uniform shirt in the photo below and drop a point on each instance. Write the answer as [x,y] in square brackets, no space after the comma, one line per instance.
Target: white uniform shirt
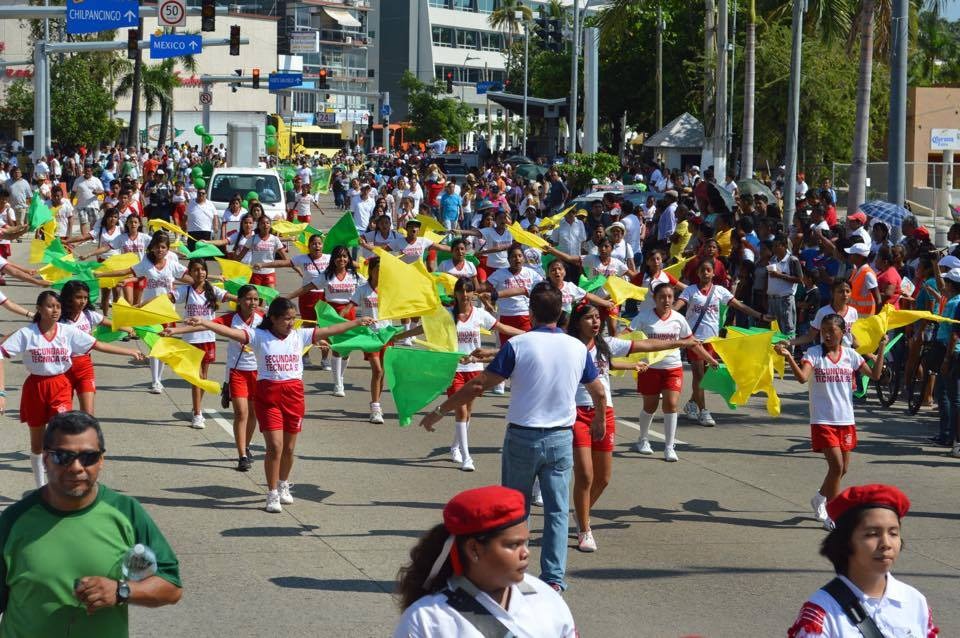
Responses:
[778,287]
[159,280]
[503,279]
[263,250]
[650,283]
[466,270]
[388,243]
[368,304]
[47,357]
[312,268]
[849,317]
[494,240]
[410,252]
[8,217]
[469,337]
[200,216]
[196,305]
[831,385]
[303,205]
[618,348]
[239,356]
[901,612]
[362,209]
[338,290]
[593,267]
[106,238]
[697,305]
[62,214]
[542,614]
[571,293]
[674,326]
[86,322]
[280,359]
[124,244]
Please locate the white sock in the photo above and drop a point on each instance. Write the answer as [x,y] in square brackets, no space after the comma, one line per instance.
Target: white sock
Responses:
[156,370]
[645,420]
[461,438]
[502,386]
[335,370]
[39,472]
[820,498]
[670,429]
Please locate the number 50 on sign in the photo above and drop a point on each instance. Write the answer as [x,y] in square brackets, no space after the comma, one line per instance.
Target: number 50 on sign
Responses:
[172,13]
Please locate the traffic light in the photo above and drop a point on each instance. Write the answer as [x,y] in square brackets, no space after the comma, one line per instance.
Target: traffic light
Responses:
[284,26]
[208,15]
[322,80]
[133,43]
[449,81]
[235,39]
[256,78]
[542,29]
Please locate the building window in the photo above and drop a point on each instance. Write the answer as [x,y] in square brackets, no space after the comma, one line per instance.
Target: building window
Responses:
[440,4]
[487,6]
[468,39]
[471,75]
[464,5]
[304,102]
[443,36]
[491,41]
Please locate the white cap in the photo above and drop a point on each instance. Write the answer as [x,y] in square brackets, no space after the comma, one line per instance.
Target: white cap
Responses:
[695,168]
[857,249]
[638,177]
[616,225]
[949,262]
[953,275]
[159,171]
[594,181]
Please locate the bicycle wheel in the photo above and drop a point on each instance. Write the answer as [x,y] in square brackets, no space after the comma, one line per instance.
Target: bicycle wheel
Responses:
[915,389]
[888,387]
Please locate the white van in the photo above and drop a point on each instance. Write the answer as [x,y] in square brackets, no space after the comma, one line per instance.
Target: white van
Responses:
[227,182]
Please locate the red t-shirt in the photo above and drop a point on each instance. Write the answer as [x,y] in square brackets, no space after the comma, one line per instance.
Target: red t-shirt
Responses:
[433,191]
[830,216]
[888,277]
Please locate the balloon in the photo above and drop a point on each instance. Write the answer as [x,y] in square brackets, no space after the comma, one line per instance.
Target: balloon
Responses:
[199,130]
[252,195]
[196,172]
[270,142]
[288,185]
[289,174]
[271,130]
[199,182]
[207,140]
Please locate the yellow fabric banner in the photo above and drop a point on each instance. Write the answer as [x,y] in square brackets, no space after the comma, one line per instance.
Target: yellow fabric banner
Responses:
[620,290]
[157,310]
[527,238]
[403,289]
[234,269]
[117,262]
[677,269]
[439,330]
[429,223]
[750,361]
[154,224]
[184,359]
[869,330]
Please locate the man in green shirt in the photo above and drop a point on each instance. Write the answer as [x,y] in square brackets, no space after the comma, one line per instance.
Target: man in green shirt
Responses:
[62,546]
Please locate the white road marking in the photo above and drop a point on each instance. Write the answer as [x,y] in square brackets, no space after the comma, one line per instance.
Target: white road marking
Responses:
[226,425]
[653,433]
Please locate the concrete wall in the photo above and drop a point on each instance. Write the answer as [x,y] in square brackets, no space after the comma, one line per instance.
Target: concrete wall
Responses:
[929,108]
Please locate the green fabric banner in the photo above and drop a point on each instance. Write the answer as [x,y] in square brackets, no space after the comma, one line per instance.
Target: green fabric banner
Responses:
[320,183]
[417,377]
[343,233]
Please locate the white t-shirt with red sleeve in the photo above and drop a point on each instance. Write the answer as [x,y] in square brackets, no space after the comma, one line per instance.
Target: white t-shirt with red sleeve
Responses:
[239,356]
[492,239]
[618,348]
[367,301]
[411,251]
[262,250]
[663,277]
[503,279]
[697,305]
[466,270]
[673,326]
[125,244]
[311,268]
[571,294]
[593,266]
[338,289]
[196,304]
[45,357]
[86,322]
[849,316]
[159,279]
[831,385]
[469,337]
[280,359]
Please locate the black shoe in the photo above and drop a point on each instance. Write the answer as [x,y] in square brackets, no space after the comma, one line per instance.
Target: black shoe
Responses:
[938,440]
[250,455]
[243,465]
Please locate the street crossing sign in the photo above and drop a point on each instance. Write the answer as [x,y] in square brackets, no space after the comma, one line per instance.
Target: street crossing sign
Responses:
[92,16]
[173,45]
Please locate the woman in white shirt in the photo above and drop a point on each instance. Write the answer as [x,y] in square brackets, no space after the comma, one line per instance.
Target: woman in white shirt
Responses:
[839,304]
[130,241]
[264,246]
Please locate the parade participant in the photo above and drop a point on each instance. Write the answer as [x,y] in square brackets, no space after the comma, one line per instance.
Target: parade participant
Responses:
[366,304]
[864,289]
[496,241]
[279,404]
[702,303]
[203,220]
[457,265]
[618,245]
[131,240]
[47,390]
[665,377]
[304,203]
[381,236]
[62,211]
[832,369]
[105,232]
[652,274]
[199,299]
[572,293]
[411,248]
[467,576]
[865,599]
[338,282]
[161,269]
[839,305]
[236,240]
[593,458]
[263,247]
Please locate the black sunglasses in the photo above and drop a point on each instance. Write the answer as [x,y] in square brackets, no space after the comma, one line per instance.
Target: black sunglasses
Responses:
[66,457]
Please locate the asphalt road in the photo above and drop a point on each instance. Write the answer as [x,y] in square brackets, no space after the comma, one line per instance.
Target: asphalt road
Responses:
[720,544]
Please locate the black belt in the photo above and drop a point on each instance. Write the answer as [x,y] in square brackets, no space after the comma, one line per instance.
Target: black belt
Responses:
[515,426]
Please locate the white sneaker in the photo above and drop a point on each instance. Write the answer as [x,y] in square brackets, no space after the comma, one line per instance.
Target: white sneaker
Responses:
[643,447]
[691,410]
[819,506]
[537,496]
[285,496]
[156,388]
[828,524]
[376,414]
[467,465]
[706,419]
[455,454]
[198,422]
[325,365]
[955,452]
[273,502]
[338,390]
[585,542]
[499,389]
[670,455]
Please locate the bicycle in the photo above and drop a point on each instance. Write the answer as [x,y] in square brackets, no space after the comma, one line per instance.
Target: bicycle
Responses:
[919,378]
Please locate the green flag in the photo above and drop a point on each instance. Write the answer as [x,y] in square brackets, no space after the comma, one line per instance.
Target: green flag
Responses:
[864,379]
[545,260]
[201,249]
[417,377]
[326,315]
[363,338]
[148,334]
[593,283]
[343,233]
[266,293]
[321,180]
[718,380]
[90,280]
[724,308]
[54,251]
[38,214]
[106,335]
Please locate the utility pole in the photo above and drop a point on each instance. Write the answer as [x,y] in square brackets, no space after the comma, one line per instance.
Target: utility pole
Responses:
[526,65]
[591,41]
[720,108]
[574,78]
[732,48]
[793,114]
[660,28]
[709,52]
[898,104]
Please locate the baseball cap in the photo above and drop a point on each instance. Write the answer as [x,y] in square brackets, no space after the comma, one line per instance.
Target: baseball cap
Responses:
[857,249]
[858,217]
[949,262]
[953,275]
[921,233]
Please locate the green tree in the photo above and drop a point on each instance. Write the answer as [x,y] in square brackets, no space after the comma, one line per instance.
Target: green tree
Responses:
[433,116]
[504,18]
[580,168]
[157,83]
[936,58]
[80,105]
[18,105]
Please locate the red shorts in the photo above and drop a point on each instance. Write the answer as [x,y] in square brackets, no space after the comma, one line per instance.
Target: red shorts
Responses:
[693,356]
[5,250]
[209,351]
[461,379]
[307,301]
[81,374]
[243,384]
[483,270]
[139,284]
[42,398]
[263,279]
[350,314]
[828,436]
[279,405]
[521,322]
[379,354]
[303,219]
[654,381]
[581,430]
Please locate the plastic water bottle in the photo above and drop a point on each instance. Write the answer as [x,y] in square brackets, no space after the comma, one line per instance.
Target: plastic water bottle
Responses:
[139,563]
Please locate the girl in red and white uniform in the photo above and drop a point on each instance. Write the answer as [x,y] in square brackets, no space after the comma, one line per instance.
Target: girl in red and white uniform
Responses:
[496,241]
[263,247]
[161,269]
[653,274]
[513,284]
[104,232]
[703,302]
[131,240]
[199,299]
[338,282]
[832,369]
[279,404]
[412,247]
[303,205]
[382,236]
[457,265]
[367,303]
[570,292]
[840,293]
[48,348]
[592,454]
[665,377]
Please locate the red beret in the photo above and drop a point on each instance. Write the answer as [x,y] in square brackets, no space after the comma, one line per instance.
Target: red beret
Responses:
[921,233]
[484,509]
[861,496]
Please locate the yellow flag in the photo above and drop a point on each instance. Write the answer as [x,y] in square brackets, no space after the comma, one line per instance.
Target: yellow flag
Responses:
[620,290]
[51,273]
[440,330]
[527,238]
[184,359]
[429,235]
[37,248]
[649,357]
[157,310]
[677,269]
[234,269]
[117,262]
[283,227]
[552,222]
[404,290]
[749,359]
[50,230]
[429,223]
[448,281]
[301,246]
[154,224]
[363,268]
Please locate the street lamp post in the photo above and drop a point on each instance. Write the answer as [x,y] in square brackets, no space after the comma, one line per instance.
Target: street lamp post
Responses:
[526,64]
[462,100]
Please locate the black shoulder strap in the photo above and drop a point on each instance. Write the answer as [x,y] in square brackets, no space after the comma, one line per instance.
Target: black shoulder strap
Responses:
[476,614]
[852,608]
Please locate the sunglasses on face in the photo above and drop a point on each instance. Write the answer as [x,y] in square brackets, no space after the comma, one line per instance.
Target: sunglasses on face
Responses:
[66,457]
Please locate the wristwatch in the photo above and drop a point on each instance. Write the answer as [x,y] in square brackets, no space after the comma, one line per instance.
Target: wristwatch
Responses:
[438,411]
[123,592]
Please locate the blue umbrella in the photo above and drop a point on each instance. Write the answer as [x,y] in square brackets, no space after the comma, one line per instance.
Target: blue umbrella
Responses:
[890,214]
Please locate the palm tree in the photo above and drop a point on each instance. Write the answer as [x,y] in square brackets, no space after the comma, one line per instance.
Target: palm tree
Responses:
[156,85]
[857,181]
[504,18]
